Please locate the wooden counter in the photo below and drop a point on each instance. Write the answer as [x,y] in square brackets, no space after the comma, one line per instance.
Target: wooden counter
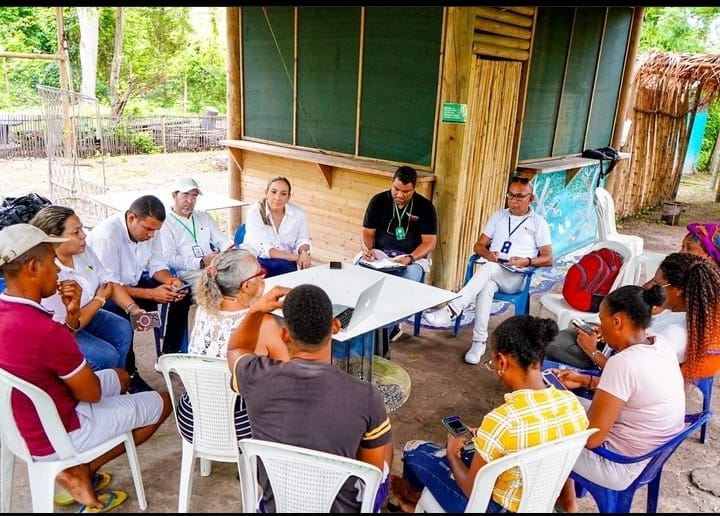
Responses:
[326,163]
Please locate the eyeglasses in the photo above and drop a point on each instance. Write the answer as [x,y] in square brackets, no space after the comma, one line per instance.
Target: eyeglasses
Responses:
[489,364]
[520,179]
[516,196]
[259,274]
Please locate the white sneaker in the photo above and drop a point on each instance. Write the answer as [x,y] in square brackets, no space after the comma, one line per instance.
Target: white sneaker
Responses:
[440,318]
[475,353]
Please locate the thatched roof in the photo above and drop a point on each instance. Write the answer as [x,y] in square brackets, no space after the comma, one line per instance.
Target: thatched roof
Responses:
[668,72]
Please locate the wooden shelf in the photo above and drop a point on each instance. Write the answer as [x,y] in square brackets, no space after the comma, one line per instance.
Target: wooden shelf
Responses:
[572,164]
[326,163]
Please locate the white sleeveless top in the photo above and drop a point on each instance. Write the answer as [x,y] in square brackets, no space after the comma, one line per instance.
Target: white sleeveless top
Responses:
[211,332]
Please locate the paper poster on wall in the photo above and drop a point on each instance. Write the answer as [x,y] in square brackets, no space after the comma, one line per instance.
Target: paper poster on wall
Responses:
[454,113]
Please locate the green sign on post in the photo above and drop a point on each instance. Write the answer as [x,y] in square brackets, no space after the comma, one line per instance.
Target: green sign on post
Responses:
[454,113]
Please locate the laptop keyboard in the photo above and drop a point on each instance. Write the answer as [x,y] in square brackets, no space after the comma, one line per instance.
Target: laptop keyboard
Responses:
[345,317]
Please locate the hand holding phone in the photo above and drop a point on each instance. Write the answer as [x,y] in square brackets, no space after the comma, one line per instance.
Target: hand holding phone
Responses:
[180,289]
[456,427]
[552,379]
[582,326]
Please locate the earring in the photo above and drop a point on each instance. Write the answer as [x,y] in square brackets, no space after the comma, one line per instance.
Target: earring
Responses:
[501,372]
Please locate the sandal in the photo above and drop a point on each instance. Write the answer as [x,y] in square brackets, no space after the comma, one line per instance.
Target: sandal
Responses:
[100,481]
[110,501]
[402,490]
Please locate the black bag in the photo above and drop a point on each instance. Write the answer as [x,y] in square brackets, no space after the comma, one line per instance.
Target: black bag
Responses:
[609,154]
[21,209]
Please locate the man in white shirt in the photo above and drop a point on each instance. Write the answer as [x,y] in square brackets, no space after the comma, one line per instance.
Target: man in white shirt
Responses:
[517,237]
[190,240]
[125,245]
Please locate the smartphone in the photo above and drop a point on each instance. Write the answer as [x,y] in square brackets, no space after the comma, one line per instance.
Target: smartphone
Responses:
[336,265]
[456,427]
[145,320]
[552,379]
[582,326]
[179,289]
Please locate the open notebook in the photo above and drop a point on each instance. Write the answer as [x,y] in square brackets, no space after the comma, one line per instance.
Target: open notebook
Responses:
[352,316]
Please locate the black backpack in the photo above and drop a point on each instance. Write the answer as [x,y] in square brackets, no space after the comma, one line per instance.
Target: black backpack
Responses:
[21,209]
[603,154]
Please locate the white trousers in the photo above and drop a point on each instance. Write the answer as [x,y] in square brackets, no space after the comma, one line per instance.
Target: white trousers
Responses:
[488,279]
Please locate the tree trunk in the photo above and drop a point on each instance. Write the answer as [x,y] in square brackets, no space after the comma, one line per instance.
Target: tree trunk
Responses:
[88,21]
[715,168]
[117,60]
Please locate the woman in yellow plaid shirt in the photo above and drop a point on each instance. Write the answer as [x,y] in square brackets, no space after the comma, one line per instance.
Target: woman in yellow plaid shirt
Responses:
[533,413]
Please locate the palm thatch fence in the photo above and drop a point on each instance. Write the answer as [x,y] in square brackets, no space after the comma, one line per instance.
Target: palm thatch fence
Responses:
[669,90]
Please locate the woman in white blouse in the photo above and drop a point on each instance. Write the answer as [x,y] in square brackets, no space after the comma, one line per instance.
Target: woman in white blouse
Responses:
[277,229]
[103,337]
[223,293]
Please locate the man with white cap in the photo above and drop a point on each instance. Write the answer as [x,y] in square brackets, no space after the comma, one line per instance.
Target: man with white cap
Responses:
[190,240]
[92,405]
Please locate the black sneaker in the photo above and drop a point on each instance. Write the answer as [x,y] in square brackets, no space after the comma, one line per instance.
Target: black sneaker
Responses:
[137,384]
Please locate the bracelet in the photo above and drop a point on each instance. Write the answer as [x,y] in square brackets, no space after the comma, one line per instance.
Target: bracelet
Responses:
[412,258]
[74,330]
[129,307]
[589,384]
[529,262]
[101,299]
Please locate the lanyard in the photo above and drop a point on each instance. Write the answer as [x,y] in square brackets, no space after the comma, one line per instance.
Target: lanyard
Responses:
[519,224]
[401,215]
[192,232]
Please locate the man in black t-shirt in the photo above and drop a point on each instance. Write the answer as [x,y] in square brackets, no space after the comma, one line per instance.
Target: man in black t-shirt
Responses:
[402,224]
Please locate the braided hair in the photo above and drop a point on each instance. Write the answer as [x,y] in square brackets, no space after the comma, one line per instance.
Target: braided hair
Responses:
[699,280]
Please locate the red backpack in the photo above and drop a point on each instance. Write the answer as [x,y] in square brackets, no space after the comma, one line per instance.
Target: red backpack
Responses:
[589,280]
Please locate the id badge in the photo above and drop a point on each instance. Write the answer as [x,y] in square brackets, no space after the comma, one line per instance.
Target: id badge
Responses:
[197,251]
[400,233]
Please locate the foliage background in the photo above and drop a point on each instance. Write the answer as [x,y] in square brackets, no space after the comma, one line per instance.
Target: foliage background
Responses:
[174,57]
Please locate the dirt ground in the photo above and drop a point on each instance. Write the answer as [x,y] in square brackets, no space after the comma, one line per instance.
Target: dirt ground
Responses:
[442,383]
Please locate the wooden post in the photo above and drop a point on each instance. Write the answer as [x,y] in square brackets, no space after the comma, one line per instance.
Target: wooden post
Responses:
[234,109]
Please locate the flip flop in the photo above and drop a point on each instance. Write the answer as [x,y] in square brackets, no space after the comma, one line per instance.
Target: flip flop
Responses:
[100,481]
[110,501]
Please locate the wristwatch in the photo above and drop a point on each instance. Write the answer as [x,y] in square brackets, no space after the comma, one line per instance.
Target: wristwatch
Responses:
[101,299]
[305,250]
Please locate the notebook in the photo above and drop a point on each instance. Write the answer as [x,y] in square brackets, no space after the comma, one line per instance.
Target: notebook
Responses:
[352,316]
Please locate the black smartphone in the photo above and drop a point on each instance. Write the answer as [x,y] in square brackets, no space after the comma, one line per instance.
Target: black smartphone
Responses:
[336,265]
[552,379]
[180,289]
[455,426]
[582,326]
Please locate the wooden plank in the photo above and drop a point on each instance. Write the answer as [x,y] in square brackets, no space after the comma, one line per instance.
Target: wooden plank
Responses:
[502,29]
[501,41]
[504,52]
[500,15]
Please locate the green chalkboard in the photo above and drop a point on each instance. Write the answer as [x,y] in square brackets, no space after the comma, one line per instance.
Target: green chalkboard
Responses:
[575,77]
[313,101]
[607,88]
[268,96]
[400,79]
[328,46]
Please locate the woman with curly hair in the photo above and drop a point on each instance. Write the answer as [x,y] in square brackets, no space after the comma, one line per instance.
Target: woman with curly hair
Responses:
[223,293]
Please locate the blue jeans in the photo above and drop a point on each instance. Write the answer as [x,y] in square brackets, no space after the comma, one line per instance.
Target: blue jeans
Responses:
[412,272]
[427,466]
[277,266]
[105,340]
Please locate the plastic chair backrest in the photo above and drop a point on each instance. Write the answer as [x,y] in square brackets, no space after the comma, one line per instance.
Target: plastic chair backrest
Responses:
[544,469]
[207,382]
[42,473]
[605,206]
[303,479]
[240,234]
[641,268]
[611,500]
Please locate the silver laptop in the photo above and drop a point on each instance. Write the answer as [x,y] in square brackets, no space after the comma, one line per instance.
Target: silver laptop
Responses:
[352,316]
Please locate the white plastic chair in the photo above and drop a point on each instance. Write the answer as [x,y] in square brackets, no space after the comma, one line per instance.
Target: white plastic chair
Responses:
[641,268]
[41,474]
[606,227]
[544,469]
[555,302]
[207,382]
[303,480]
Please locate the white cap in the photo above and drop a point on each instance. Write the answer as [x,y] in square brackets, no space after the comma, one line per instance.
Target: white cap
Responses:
[185,184]
[17,239]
